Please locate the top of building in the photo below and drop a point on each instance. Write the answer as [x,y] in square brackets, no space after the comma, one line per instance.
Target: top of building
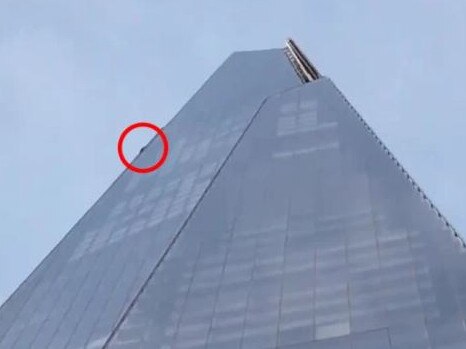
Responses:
[303,67]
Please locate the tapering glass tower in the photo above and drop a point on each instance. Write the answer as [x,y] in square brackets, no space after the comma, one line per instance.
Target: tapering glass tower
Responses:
[279,220]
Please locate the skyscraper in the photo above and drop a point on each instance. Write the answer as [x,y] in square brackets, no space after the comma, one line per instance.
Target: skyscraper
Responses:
[279,220]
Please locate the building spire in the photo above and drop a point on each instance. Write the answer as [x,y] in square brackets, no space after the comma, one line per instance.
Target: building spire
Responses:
[303,67]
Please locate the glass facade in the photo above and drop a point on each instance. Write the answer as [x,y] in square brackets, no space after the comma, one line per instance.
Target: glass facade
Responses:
[311,236]
[79,292]
[279,221]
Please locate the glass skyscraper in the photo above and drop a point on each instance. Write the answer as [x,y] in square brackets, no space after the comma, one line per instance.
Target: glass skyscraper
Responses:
[279,220]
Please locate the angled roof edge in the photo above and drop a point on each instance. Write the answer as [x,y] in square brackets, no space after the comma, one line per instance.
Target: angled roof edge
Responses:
[460,239]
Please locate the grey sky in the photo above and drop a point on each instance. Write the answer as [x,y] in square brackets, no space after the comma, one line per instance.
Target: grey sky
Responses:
[74,74]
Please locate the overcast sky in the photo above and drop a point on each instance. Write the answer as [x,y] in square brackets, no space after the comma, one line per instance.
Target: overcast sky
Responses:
[73,74]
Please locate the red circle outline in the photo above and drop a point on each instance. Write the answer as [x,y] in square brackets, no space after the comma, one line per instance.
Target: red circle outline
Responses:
[162,136]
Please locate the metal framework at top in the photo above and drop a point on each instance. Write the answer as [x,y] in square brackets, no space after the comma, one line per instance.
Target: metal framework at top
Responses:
[303,67]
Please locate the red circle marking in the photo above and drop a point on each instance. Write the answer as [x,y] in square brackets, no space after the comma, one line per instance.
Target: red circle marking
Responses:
[162,136]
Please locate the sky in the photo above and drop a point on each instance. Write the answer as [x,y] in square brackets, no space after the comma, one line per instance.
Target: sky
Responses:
[74,74]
